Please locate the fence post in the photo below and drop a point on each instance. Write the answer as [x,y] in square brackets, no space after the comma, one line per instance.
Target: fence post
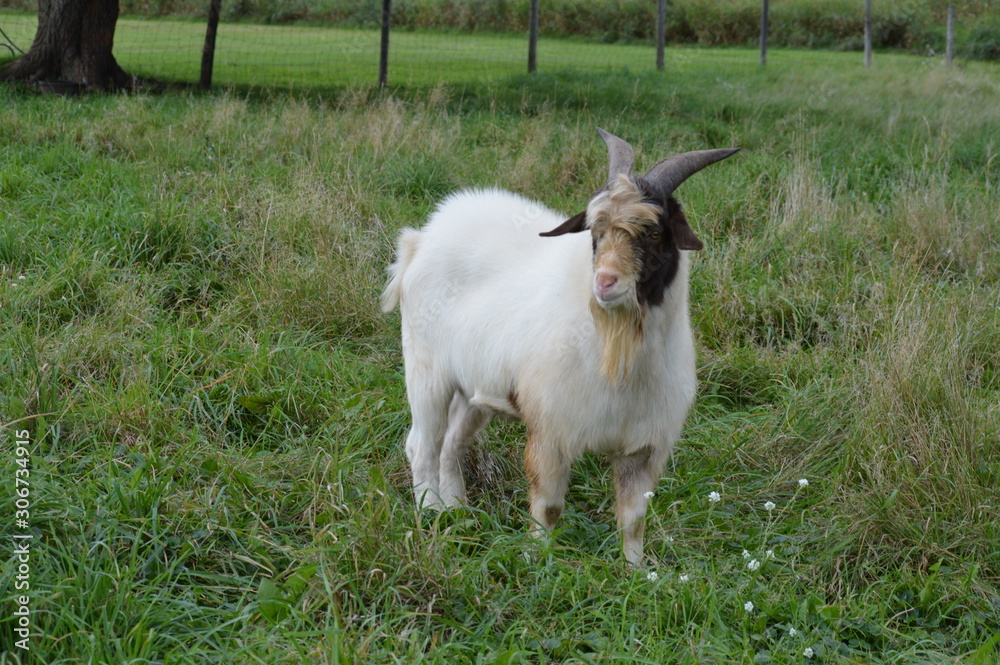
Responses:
[383,59]
[661,31]
[208,52]
[763,31]
[533,37]
[868,33]
[949,52]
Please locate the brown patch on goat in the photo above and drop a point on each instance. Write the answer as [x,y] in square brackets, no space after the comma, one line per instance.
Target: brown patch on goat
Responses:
[515,407]
[547,470]
[530,464]
[552,515]
[633,476]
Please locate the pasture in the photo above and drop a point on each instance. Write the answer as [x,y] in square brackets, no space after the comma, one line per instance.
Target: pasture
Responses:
[215,407]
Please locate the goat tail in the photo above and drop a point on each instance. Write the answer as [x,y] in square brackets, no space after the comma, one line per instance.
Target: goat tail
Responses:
[406,249]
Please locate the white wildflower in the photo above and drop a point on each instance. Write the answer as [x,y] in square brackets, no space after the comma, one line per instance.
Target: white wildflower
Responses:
[748,606]
[803,482]
[768,554]
[652,576]
[670,539]
[746,555]
[21,277]
[683,578]
[769,506]
[649,495]
[792,632]
[714,497]
[808,653]
[753,565]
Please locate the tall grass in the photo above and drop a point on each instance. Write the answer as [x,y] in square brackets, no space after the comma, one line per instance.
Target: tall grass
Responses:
[188,293]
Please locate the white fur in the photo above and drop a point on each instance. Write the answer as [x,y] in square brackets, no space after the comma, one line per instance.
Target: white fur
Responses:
[490,309]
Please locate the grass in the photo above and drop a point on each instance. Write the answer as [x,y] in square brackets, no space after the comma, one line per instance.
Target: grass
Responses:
[215,406]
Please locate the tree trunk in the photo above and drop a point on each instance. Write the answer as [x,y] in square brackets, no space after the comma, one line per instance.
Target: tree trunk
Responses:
[73,43]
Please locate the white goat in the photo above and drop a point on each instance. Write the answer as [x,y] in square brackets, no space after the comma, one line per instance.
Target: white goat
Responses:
[585,337]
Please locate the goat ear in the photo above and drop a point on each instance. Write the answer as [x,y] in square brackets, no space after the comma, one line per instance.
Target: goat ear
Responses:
[684,236]
[574,224]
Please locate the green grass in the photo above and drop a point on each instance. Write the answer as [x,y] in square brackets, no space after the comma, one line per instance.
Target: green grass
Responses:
[188,299]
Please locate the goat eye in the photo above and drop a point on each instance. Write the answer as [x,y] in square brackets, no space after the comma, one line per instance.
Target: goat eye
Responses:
[655,235]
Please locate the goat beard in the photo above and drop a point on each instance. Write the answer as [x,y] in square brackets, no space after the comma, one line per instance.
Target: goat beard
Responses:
[620,329]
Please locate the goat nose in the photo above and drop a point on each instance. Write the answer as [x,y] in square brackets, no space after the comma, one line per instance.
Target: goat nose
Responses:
[606,281]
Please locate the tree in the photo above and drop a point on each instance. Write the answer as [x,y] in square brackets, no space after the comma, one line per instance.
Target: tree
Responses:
[73,43]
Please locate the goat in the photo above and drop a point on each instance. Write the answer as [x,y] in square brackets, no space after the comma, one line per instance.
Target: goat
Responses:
[508,307]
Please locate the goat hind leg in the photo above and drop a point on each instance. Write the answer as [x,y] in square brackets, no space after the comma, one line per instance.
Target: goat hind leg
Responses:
[429,409]
[464,421]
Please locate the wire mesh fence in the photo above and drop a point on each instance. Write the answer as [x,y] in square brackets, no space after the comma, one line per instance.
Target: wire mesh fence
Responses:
[292,55]
[170,49]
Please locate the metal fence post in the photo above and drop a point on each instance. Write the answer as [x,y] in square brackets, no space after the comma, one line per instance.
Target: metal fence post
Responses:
[661,31]
[763,32]
[868,33]
[383,60]
[533,37]
[208,52]
[949,52]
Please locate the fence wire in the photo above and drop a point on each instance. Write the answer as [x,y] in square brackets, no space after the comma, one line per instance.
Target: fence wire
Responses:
[293,55]
[170,49]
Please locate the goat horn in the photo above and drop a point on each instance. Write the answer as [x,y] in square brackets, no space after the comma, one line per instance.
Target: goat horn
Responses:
[620,155]
[668,174]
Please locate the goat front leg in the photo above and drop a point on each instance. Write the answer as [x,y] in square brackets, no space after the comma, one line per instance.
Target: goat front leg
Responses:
[635,476]
[547,468]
